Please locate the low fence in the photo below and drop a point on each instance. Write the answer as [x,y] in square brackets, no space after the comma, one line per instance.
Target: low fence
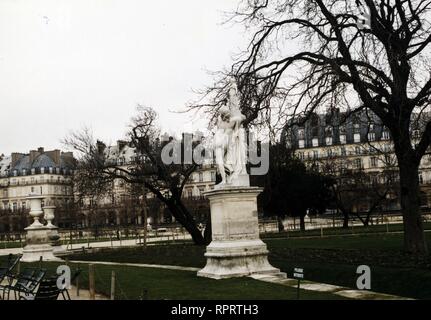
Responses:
[172,233]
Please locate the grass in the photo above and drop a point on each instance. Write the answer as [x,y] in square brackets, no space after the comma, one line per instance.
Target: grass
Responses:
[330,260]
[156,284]
[380,228]
[334,260]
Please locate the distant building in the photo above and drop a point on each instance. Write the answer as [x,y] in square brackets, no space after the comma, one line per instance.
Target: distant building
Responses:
[352,141]
[44,172]
[122,206]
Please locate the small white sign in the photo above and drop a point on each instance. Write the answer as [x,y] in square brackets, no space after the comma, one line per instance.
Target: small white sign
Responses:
[298,275]
[300,270]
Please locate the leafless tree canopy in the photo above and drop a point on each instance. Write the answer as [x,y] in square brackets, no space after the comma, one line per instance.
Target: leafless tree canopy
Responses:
[98,169]
[311,54]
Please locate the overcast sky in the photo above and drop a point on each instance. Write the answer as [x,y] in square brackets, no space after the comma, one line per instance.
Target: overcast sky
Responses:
[69,64]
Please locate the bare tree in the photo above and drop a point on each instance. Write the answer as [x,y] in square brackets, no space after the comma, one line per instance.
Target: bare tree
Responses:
[380,62]
[357,193]
[98,168]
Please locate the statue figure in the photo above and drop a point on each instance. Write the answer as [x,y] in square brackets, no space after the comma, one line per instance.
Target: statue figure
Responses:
[230,144]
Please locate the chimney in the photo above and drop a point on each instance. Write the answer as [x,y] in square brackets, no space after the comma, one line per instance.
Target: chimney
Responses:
[40,150]
[55,156]
[100,147]
[33,155]
[121,144]
[68,154]
[15,158]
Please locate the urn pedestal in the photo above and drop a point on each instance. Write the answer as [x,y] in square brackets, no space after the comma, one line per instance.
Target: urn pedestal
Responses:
[236,249]
[38,245]
[38,242]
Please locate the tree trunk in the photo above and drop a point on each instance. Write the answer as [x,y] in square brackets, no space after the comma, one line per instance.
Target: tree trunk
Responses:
[345,220]
[208,230]
[414,237]
[181,214]
[302,222]
[280,224]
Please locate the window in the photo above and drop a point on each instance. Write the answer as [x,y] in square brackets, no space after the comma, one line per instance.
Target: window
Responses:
[328,141]
[358,163]
[23,205]
[371,136]
[342,138]
[315,154]
[343,151]
[301,155]
[213,176]
[201,191]
[356,128]
[357,150]
[301,133]
[374,162]
[301,144]
[201,177]
[15,206]
[356,137]
[385,135]
[315,142]
[190,193]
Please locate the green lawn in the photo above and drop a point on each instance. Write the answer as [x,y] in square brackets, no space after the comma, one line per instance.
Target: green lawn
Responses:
[152,283]
[330,260]
[380,228]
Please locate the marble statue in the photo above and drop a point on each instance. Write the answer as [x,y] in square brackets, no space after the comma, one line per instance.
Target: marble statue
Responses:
[230,143]
[235,249]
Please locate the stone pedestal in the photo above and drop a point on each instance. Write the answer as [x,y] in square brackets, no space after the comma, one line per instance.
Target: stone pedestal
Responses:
[236,249]
[38,245]
[38,242]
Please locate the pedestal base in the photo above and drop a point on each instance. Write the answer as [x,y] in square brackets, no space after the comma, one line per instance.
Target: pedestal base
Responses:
[32,253]
[236,249]
[38,245]
[227,259]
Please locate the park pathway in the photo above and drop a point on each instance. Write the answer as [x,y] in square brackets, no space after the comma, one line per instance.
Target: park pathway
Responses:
[328,288]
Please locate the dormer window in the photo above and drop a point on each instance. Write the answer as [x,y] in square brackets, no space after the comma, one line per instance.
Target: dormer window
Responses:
[356,128]
[301,133]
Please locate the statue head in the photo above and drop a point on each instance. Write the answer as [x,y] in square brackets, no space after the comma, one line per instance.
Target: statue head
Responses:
[224,113]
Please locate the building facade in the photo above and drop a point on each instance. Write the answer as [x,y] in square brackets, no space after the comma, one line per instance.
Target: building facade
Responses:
[126,205]
[43,172]
[338,141]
